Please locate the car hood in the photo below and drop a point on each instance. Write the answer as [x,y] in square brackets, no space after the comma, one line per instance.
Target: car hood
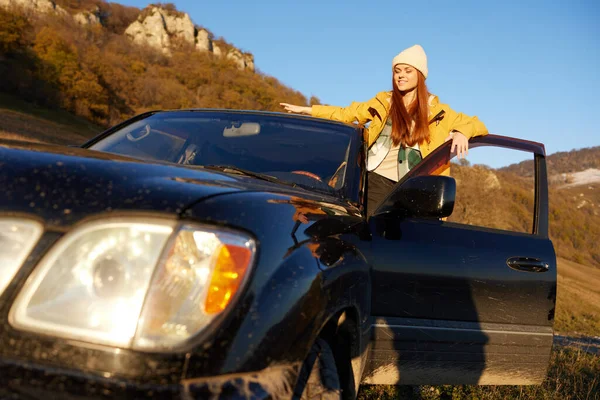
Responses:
[63,185]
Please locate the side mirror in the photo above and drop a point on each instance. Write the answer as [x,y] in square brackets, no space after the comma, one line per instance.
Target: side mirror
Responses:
[421,196]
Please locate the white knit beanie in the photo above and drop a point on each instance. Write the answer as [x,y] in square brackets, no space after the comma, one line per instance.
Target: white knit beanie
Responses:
[414,56]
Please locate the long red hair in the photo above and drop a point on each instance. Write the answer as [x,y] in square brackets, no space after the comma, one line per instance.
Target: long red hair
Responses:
[417,113]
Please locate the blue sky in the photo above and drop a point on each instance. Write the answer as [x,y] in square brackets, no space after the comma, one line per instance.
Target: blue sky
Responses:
[528,69]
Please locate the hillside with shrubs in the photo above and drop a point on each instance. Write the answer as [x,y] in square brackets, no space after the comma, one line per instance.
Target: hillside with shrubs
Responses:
[564,162]
[97,73]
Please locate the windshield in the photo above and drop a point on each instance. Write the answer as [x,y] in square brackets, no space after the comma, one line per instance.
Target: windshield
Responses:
[306,153]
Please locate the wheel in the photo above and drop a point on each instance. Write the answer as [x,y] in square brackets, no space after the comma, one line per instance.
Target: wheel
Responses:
[319,377]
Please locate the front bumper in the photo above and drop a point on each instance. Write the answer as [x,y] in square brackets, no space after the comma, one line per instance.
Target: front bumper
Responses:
[23,381]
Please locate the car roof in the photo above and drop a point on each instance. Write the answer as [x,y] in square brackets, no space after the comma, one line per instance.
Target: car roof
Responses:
[259,112]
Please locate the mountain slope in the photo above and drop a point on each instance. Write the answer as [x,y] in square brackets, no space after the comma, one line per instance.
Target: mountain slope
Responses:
[96,72]
[563,162]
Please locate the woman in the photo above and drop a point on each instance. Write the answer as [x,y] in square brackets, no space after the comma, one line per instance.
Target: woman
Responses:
[406,124]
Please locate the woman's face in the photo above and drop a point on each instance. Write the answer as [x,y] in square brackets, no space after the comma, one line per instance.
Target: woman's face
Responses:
[405,77]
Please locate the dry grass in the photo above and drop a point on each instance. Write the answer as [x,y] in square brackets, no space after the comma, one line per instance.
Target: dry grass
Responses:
[23,121]
[578,299]
[14,136]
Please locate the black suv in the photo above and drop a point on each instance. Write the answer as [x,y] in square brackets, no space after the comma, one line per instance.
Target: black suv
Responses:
[218,253]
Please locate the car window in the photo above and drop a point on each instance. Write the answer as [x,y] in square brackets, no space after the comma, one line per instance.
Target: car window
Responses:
[146,140]
[304,152]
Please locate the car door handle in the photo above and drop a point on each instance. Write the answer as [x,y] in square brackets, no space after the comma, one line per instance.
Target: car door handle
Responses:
[527,264]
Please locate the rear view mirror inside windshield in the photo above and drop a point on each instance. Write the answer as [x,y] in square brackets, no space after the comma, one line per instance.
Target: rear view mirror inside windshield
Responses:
[139,134]
[243,129]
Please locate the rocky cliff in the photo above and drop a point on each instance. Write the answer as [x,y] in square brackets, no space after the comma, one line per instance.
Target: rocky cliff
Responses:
[92,17]
[36,6]
[157,27]
[160,28]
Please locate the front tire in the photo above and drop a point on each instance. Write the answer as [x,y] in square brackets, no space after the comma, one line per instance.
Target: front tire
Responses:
[319,378]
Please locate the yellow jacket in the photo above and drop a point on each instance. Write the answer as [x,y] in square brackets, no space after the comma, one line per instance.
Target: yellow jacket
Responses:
[376,112]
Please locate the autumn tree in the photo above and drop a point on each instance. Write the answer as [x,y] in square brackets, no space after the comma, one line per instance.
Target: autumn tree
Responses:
[14,30]
[81,91]
[314,101]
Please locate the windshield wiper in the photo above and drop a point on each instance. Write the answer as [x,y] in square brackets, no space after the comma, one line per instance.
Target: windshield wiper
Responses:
[231,168]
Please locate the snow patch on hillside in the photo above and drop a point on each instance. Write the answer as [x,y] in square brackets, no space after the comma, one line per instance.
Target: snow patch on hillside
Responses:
[589,176]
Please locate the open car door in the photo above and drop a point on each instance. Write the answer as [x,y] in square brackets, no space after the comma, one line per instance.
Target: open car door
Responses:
[454,303]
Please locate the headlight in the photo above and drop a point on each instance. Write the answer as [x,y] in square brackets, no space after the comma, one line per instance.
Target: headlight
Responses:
[17,238]
[134,284]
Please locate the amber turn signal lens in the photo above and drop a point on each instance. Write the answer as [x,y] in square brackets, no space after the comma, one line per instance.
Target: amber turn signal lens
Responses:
[230,268]
[205,268]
